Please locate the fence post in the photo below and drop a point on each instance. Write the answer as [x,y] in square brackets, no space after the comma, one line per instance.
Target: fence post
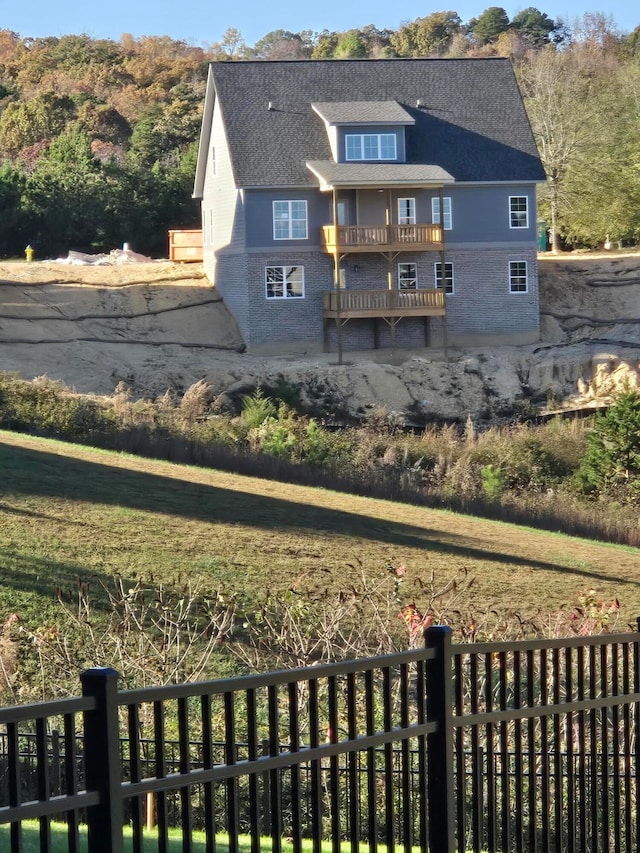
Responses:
[440,771]
[102,760]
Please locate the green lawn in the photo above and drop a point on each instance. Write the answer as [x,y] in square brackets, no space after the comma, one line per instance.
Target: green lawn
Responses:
[31,840]
[69,513]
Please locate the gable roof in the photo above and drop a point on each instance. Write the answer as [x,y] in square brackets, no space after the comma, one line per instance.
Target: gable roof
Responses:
[469,117]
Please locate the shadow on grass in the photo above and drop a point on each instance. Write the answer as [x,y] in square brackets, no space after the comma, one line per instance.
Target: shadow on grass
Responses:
[31,472]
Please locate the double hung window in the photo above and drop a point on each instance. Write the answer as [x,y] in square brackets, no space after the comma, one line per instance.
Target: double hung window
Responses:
[370,146]
[406,211]
[284,282]
[407,276]
[518,279]
[518,211]
[289,220]
[448,277]
[435,212]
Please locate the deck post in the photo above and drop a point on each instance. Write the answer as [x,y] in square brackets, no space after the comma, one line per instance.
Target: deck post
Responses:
[440,769]
[102,760]
[336,274]
[445,341]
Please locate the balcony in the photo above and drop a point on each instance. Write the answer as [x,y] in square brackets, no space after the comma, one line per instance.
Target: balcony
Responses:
[381,238]
[383,303]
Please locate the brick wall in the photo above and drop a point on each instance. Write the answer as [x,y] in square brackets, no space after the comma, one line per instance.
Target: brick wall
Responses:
[481,309]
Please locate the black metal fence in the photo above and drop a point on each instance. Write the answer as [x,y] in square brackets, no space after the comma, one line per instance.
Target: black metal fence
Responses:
[520,746]
[547,744]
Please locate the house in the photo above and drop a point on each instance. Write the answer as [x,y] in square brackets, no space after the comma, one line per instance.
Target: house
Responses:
[370,203]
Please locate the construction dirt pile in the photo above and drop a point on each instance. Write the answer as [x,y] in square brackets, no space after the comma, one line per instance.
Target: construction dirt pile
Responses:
[157,325]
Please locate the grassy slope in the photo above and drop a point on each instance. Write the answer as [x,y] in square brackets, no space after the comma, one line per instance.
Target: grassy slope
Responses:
[69,512]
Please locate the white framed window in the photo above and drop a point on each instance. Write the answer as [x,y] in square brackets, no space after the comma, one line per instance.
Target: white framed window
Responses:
[406,211]
[407,276]
[448,277]
[435,212]
[213,160]
[518,211]
[370,146]
[289,220]
[518,277]
[284,282]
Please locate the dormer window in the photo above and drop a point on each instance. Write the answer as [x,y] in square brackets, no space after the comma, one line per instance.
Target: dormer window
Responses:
[371,146]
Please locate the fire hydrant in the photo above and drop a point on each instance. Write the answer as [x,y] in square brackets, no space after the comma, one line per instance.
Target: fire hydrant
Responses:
[29,253]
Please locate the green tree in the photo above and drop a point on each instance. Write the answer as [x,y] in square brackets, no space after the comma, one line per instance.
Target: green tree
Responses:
[351,45]
[602,188]
[565,97]
[612,459]
[12,217]
[487,28]
[64,194]
[534,27]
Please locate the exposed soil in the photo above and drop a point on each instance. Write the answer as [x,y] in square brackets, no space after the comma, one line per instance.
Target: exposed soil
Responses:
[159,325]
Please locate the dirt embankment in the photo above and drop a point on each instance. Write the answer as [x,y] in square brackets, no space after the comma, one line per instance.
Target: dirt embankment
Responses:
[158,326]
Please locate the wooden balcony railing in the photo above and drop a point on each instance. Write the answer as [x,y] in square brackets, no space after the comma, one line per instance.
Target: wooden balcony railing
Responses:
[372,238]
[383,303]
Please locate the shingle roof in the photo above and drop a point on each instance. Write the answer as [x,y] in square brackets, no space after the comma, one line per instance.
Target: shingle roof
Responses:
[471,120]
[363,112]
[377,174]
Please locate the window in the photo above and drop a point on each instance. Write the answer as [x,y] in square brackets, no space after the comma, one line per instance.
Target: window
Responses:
[289,220]
[518,277]
[407,276]
[435,212]
[284,282]
[406,211]
[370,146]
[448,277]
[518,212]
[213,161]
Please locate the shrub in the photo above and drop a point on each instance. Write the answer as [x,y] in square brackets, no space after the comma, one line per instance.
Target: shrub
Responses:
[256,409]
[493,482]
[612,460]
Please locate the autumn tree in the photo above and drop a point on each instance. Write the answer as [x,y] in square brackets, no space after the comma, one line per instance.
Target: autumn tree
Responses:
[282,44]
[430,36]
[563,96]
[41,118]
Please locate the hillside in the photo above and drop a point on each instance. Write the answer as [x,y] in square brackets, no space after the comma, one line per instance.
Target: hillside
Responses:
[156,326]
[69,513]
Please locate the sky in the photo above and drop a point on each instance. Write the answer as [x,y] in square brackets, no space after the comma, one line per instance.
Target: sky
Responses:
[200,22]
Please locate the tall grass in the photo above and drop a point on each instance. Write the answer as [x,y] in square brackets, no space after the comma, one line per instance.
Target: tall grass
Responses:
[519,473]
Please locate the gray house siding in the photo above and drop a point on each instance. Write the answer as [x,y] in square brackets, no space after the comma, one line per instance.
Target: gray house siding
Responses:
[259,218]
[481,215]
[224,242]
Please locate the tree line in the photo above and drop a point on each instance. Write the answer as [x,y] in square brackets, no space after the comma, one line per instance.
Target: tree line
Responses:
[98,138]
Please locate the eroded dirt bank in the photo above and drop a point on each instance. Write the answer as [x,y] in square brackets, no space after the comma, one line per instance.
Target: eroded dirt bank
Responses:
[160,325]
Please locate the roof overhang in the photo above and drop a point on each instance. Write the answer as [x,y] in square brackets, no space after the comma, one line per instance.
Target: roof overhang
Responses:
[332,175]
[363,112]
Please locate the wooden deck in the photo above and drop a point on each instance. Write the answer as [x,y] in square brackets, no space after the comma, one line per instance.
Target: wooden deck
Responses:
[381,238]
[383,303]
